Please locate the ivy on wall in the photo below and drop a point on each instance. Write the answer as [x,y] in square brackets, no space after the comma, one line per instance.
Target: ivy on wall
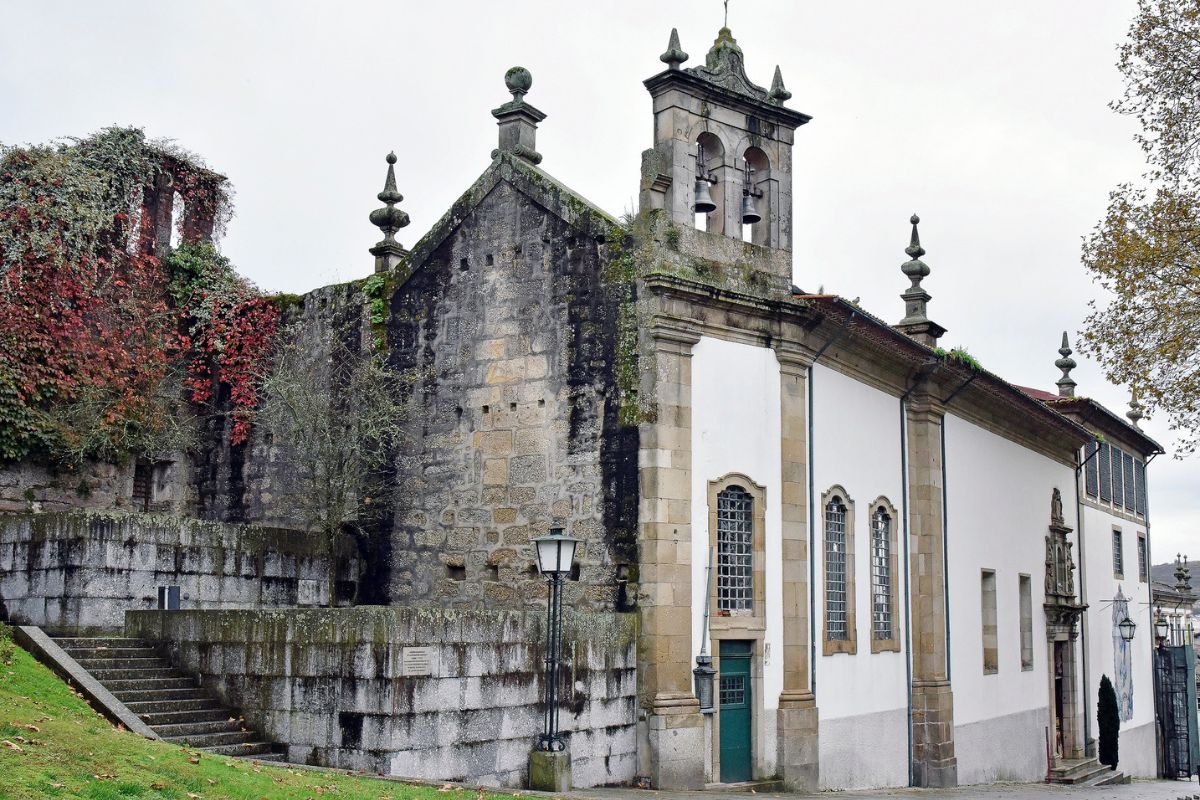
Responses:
[105,331]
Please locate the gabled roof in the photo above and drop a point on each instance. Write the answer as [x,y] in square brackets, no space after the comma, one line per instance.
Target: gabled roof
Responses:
[570,206]
[1095,414]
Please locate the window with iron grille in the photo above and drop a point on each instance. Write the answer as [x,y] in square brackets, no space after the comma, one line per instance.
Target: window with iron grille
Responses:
[1143,569]
[735,550]
[1118,555]
[881,574]
[835,571]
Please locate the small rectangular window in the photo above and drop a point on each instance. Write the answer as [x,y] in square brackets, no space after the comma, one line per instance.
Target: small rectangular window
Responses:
[1139,480]
[1143,567]
[1118,482]
[1118,555]
[1091,476]
[142,481]
[1105,473]
[1130,490]
[991,658]
[1026,595]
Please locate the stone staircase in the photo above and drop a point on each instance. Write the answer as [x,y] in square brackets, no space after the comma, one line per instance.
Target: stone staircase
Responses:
[167,700]
[1086,772]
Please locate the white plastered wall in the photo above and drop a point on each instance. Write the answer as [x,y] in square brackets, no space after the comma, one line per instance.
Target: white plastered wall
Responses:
[997,516]
[736,428]
[1137,742]
[862,698]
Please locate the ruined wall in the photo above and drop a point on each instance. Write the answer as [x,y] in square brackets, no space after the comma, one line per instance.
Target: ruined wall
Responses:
[345,687]
[84,570]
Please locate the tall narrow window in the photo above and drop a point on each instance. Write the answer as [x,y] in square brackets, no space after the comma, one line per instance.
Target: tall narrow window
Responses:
[1118,483]
[840,634]
[991,658]
[735,550]
[881,574]
[1143,567]
[1105,473]
[1026,595]
[1091,477]
[835,571]
[1139,481]
[1130,490]
[1118,555]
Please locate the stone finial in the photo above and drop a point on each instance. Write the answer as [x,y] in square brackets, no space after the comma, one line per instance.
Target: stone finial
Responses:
[915,323]
[1066,386]
[1183,575]
[674,55]
[778,93]
[1134,414]
[517,119]
[388,252]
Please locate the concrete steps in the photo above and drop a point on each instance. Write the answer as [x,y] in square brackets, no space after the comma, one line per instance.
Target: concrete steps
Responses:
[166,699]
[1086,772]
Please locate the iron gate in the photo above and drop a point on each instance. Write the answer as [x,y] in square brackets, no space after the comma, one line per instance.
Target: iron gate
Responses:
[1173,705]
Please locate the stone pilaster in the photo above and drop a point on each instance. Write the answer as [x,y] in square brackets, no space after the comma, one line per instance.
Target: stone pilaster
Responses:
[934,762]
[674,725]
[797,718]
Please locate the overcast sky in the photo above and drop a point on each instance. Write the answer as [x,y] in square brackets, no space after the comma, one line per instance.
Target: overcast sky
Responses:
[988,119]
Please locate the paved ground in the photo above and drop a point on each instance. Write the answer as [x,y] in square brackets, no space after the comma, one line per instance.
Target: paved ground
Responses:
[1138,790]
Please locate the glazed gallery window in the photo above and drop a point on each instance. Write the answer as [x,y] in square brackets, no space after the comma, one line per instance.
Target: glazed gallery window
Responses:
[735,550]
[1114,476]
[881,574]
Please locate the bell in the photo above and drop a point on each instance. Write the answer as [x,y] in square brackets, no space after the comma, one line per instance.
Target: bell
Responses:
[750,213]
[704,202]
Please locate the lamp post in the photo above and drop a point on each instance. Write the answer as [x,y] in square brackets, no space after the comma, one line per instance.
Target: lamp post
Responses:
[550,764]
[1160,629]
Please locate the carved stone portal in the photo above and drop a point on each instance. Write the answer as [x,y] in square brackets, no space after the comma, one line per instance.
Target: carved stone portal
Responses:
[1062,619]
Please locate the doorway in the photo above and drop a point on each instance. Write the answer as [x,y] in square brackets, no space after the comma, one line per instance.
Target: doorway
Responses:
[735,706]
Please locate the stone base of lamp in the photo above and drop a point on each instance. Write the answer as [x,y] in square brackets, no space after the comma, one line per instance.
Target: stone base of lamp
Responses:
[550,772]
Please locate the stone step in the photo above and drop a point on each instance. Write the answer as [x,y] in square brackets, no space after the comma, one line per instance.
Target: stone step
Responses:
[198,728]
[138,695]
[1073,768]
[159,706]
[1108,778]
[94,665]
[78,653]
[120,685]
[146,673]
[214,739]
[259,750]
[276,757]
[69,642]
[162,718]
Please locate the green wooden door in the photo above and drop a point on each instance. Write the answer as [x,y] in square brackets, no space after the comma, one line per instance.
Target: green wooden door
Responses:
[734,698]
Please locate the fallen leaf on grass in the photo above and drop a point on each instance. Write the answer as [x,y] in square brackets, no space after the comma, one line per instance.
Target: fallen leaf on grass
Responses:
[158,785]
[193,795]
[194,760]
[58,786]
[13,746]
[212,782]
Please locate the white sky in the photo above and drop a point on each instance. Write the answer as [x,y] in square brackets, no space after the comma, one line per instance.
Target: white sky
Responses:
[988,119]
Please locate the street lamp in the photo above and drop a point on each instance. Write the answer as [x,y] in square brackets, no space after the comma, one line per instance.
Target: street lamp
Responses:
[1160,629]
[555,555]
[1127,627]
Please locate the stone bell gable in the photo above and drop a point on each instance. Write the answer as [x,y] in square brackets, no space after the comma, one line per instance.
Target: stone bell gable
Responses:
[509,312]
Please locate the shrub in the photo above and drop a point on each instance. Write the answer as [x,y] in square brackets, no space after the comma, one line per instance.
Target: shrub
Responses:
[1109,722]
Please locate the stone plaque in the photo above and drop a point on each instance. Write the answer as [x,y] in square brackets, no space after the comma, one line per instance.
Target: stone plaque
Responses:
[417,661]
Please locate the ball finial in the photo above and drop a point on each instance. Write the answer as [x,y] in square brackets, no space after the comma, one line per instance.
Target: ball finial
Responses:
[391,157]
[914,220]
[518,80]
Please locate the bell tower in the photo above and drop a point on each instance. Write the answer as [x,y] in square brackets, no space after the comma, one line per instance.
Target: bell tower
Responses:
[722,147]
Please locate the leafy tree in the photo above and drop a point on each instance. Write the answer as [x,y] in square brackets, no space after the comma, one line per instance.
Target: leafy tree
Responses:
[1146,249]
[1108,720]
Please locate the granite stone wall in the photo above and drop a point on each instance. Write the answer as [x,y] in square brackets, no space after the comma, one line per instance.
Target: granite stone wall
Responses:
[428,693]
[83,570]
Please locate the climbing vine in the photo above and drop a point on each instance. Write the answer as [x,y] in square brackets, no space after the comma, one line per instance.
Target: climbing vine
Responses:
[103,324]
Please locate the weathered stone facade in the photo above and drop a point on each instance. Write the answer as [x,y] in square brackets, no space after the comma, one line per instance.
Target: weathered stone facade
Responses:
[425,693]
[71,572]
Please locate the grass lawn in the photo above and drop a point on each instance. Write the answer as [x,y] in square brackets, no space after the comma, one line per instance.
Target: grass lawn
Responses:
[52,744]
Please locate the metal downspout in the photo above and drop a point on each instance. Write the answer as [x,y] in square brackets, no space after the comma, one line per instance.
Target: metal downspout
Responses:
[1083,624]
[946,554]
[907,575]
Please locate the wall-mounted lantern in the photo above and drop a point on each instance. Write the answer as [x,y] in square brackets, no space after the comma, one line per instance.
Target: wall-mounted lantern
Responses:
[1127,627]
[703,675]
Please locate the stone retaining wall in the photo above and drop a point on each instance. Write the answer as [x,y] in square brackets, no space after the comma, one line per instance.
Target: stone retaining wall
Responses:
[425,693]
[81,571]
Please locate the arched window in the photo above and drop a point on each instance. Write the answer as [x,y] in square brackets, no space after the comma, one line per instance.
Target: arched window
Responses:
[735,550]
[881,574]
[838,572]
[756,195]
[710,159]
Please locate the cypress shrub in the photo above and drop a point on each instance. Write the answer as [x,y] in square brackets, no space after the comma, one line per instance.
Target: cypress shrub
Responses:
[1109,722]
